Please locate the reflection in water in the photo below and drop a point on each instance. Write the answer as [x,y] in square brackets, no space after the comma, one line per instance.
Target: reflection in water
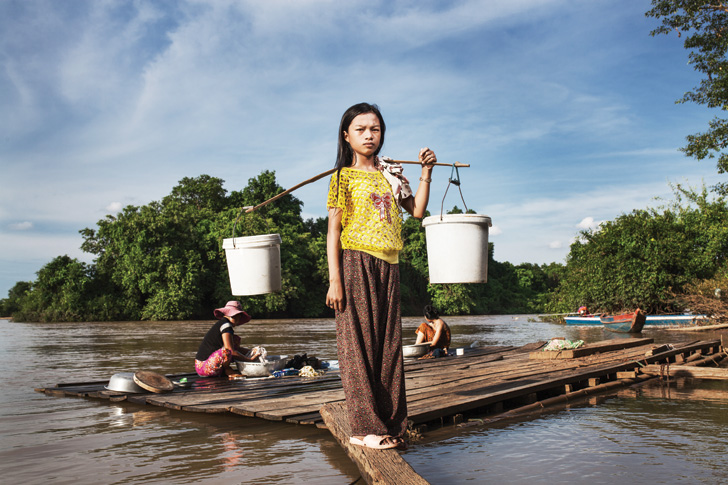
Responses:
[637,435]
[624,439]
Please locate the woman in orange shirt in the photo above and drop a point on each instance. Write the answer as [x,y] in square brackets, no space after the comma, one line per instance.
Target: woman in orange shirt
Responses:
[435,332]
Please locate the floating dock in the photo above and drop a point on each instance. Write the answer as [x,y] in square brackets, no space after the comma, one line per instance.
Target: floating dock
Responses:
[496,382]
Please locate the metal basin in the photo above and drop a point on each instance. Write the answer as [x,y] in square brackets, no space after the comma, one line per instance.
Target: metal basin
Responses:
[262,369]
[123,382]
[415,350]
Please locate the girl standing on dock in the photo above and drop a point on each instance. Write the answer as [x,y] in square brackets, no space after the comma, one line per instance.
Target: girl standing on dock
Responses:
[363,243]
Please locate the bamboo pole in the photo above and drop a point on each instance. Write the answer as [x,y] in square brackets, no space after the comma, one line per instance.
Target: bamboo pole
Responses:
[329,172]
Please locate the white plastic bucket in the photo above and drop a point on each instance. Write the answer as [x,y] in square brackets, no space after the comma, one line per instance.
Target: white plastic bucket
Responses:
[457,248]
[254,264]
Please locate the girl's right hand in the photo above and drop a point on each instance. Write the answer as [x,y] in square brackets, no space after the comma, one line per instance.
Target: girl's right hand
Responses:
[335,296]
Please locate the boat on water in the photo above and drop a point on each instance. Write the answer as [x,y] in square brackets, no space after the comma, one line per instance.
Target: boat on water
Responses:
[625,323]
[650,320]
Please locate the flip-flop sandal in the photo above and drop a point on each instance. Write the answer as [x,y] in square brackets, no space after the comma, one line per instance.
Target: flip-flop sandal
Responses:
[375,442]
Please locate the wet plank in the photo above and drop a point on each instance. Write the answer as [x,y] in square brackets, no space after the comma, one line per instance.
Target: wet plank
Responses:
[677,371]
[375,466]
[589,349]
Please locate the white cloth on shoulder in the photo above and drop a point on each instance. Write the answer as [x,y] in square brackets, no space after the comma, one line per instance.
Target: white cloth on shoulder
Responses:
[393,172]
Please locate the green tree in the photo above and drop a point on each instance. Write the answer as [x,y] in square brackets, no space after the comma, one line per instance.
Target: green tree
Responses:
[413,268]
[61,292]
[643,258]
[705,26]
[303,292]
[11,304]
[164,261]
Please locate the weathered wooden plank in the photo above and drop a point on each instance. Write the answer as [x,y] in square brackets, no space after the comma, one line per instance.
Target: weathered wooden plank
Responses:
[589,349]
[206,409]
[376,466]
[436,388]
[713,359]
[452,364]
[306,419]
[280,409]
[467,359]
[472,358]
[511,367]
[137,398]
[481,394]
[714,373]
[513,373]
[568,397]
[500,374]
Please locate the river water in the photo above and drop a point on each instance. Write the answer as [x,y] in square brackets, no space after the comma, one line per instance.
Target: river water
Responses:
[646,434]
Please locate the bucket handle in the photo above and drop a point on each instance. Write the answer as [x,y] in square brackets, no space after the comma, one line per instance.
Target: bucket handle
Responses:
[454,181]
[240,214]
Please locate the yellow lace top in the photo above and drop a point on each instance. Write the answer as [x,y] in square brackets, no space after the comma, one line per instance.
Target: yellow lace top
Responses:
[371,220]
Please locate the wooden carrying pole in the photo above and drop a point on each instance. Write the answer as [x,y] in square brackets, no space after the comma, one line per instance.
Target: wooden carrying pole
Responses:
[329,172]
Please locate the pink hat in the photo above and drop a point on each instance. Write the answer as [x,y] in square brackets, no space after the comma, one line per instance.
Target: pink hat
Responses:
[231,309]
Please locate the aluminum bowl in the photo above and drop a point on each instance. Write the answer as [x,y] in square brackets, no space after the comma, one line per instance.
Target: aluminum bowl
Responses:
[124,382]
[417,350]
[262,369]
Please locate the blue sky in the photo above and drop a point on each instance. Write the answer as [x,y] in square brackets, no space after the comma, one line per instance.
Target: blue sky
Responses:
[565,109]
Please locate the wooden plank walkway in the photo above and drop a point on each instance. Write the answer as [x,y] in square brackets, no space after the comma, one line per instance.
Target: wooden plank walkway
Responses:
[376,466]
[484,380]
[498,382]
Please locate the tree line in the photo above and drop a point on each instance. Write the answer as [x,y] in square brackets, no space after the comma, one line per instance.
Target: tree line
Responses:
[164,261]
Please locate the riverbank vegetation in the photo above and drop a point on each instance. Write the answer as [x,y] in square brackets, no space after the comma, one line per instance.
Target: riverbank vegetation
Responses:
[164,261]
[654,259]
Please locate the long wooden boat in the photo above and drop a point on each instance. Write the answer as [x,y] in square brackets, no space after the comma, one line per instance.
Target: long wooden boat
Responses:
[651,320]
[625,323]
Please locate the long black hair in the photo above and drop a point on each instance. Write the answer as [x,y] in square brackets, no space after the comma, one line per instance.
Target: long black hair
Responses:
[345,155]
[431,313]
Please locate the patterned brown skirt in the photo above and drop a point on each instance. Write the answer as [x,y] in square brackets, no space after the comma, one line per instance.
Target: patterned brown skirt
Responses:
[369,341]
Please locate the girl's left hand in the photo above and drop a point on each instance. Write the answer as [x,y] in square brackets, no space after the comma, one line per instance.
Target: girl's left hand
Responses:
[427,157]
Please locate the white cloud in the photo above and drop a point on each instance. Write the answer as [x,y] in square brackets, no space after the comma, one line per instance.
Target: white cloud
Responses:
[556,245]
[114,207]
[588,223]
[21,226]
[495,230]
